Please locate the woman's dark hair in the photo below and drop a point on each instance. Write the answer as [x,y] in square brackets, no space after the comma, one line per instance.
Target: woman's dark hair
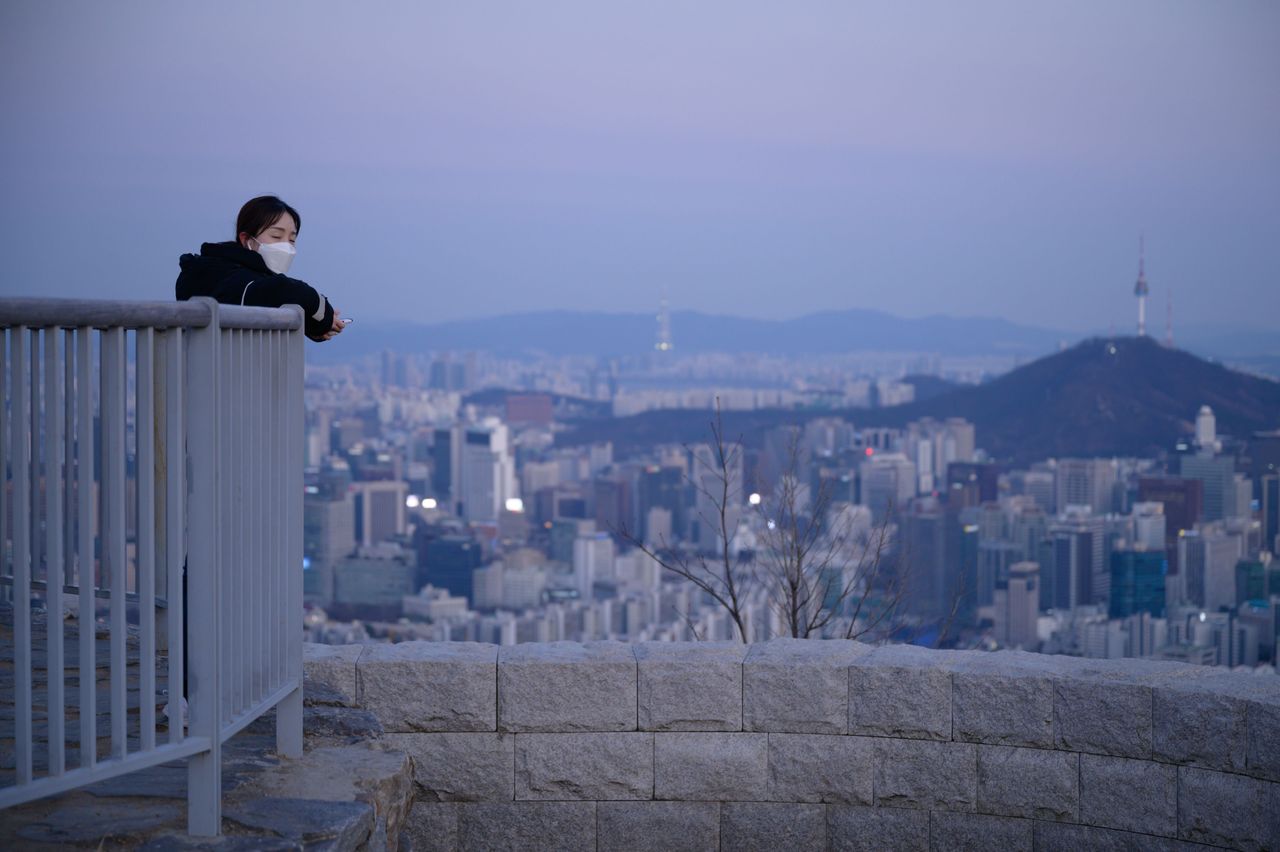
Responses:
[260,213]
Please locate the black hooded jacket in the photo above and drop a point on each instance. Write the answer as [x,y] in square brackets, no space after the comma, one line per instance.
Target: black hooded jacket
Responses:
[234,275]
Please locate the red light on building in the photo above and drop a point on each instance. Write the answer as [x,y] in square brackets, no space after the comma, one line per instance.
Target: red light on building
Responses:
[870,451]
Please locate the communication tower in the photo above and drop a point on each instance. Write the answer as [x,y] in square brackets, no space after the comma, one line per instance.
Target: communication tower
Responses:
[1140,289]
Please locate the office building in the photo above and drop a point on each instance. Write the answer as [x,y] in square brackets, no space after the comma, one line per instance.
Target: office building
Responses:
[328,535]
[379,510]
[488,476]
[451,560]
[1079,549]
[1217,475]
[663,487]
[972,483]
[593,558]
[1086,482]
[888,483]
[1017,606]
[1137,582]
[1271,513]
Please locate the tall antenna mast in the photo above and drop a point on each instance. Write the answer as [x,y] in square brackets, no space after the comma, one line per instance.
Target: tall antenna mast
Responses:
[663,343]
[1168,319]
[1140,289]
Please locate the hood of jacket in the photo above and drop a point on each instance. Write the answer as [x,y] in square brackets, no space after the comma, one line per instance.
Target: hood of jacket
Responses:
[218,265]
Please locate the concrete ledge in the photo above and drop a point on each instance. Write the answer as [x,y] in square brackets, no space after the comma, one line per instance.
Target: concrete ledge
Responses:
[900,691]
[430,686]
[690,686]
[792,742]
[335,667]
[1001,704]
[798,686]
[1103,717]
[1199,729]
[567,686]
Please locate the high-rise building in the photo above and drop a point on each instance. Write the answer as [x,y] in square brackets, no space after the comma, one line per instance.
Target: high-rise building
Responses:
[593,557]
[1149,528]
[1017,606]
[613,506]
[972,483]
[564,532]
[995,558]
[924,536]
[1271,513]
[328,534]
[446,463]
[1217,475]
[1086,482]
[1209,556]
[451,561]
[488,477]
[663,487]
[888,483]
[1206,430]
[1137,582]
[1079,551]
[1183,501]
[372,587]
[715,484]
[379,510]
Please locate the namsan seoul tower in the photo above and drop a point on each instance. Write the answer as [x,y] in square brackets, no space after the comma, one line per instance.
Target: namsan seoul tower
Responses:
[1140,289]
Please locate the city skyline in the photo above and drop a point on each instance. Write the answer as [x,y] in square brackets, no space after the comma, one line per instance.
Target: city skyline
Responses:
[999,160]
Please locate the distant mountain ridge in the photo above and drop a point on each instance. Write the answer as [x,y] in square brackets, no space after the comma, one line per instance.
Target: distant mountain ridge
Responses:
[830,332]
[584,333]
[1127,396]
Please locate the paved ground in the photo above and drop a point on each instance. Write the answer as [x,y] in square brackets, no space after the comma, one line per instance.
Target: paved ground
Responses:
[71,688]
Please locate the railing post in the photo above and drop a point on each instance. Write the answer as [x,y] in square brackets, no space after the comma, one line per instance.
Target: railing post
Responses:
[289,711]
[203,576]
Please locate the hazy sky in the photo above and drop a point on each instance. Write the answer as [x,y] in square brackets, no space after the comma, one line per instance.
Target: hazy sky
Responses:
[760,159]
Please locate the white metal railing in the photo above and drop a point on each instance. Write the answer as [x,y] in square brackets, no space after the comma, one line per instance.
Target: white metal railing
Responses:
[141,443]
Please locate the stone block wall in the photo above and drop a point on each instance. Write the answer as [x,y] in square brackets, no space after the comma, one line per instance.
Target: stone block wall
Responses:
[796,744]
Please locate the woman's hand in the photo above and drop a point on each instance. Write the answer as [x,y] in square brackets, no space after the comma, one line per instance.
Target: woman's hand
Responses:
[338,326]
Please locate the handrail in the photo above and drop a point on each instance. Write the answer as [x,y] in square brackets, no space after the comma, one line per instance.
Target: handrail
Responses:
[245,318]
[101,313]
[206,399]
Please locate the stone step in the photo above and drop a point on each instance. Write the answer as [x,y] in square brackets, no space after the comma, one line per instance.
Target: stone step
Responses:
[335,797]
[360,773]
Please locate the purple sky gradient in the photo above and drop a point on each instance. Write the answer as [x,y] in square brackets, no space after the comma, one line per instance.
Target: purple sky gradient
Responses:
[759,159]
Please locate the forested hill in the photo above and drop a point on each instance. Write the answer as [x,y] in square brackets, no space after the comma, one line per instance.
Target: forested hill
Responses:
[1116,396]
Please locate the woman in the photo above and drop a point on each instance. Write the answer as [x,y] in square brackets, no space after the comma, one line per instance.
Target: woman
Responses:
[250,270]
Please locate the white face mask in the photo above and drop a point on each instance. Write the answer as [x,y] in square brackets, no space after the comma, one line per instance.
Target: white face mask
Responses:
[277,256]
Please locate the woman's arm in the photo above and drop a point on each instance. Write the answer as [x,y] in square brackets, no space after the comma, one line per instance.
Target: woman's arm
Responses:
[272,291]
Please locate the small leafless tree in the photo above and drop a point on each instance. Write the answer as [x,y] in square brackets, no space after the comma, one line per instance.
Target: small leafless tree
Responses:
[820,568]
[720,576]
